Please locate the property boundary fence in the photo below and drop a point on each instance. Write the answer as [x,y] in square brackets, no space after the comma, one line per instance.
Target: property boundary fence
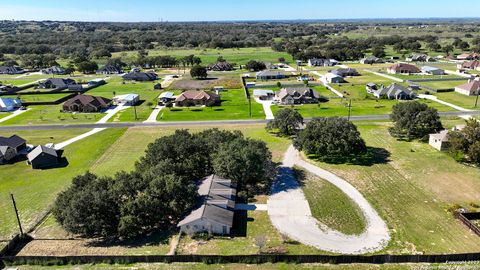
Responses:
[248,259]
[467,218]
[441,90]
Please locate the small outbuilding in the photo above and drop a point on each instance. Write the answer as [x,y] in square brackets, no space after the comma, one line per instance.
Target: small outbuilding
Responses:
[128,99]
[9,104]
[333,78]
[165,97]
[439,140]
[263,94]
[43,157]
[433,70]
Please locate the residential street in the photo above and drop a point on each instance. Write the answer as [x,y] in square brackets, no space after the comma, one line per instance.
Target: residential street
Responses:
[290,213]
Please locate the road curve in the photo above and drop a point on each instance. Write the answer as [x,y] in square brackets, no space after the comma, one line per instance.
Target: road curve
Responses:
[290,213]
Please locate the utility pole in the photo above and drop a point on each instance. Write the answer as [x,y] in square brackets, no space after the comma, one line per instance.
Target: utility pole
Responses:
[476,100]
[349,109]
[135,110]
[16,213]
[250,106]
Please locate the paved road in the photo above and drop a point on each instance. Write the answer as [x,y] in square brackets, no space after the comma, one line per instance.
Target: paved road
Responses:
[290,213]
[193,123]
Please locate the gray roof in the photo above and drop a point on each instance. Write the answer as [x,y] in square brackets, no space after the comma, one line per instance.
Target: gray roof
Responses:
[270,73]
[344,71]
[41,150]
[304,91]
[393,91]
[13,141]
[210,212]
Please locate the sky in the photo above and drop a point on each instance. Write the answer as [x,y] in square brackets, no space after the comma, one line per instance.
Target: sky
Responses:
[228,10]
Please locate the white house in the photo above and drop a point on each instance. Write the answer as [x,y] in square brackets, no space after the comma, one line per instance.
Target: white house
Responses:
[128,99]
[432,70]
[9,104]
[263,94]
[472,88]
[439,140]
[333,78]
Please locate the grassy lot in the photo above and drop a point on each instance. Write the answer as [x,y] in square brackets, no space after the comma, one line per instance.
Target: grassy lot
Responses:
[443,85]
[4,114]
[238,56]
[51,114]
[412,191]
[39,98]
[35,190]
[330,205]
[420,77]
[464,101]
[234,106]
[10,79]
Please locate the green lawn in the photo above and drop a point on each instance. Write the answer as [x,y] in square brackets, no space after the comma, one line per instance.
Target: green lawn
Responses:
[239,56]
[234,106]
[443,85]
[464,101]
[38,98]
[51,114]
[331,206]
[412,191]
[420,77]
[35,190]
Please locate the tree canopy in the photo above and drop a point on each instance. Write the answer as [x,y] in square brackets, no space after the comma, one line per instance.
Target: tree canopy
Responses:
[256,65]
[198,72]
[331,138]
[286,121]
[465,143]
[414,120]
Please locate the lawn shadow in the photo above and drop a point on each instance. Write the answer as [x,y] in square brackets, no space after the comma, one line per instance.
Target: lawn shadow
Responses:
[373,155]
[240,221]
[161,237]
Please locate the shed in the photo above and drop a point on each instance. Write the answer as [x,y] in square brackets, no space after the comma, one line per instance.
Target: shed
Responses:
[43,157]
[128,99]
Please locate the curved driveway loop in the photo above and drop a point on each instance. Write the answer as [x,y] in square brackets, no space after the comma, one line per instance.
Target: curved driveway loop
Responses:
[290,213]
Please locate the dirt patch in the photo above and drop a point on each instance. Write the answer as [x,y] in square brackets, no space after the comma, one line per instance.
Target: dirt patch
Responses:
[188,83]
[461,188]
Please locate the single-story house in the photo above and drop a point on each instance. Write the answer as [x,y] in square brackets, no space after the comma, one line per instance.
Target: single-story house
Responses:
[321,62]
[53,70]
[14,142]
[7,153]
[472,88]
[96,82]
[439,140]
[109,69]
[57,83]
[290,96]
[270,75]
[195,98]
[140,76]
[333,78]
[371,60]
[345,72]
[220,66]
[420,58]
[394,91]
[43,157]
[128,99]
[468,56]
[402,68]
[9,104]
[165,97]
[215,212]
[471,65]
[86,103]
[263,94]
[10,70]
[433,70]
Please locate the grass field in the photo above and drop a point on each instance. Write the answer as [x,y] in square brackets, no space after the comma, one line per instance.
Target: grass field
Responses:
[238,56]
[51,114]
[38,98]
[421,77]
[35,190]
[443,85]
[330,205]
[464,101]
[412,191]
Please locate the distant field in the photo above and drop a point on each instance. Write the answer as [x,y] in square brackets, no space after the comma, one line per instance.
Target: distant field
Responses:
[238,56]
[443,84]
[467,102]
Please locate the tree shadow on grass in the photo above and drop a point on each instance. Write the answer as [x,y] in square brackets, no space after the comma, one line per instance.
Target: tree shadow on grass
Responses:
[160,237]
[240,221]
[374,155]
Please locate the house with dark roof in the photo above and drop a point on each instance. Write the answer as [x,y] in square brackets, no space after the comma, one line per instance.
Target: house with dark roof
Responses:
[394,91]
[7,154]
[17,143]
[109,69]
[197,98]
[270,75]
[215,210]
[53,70]
[290,96]
[345,72]
[371,60]
[470,65]
[11,70]
[220,66]
[322,62]
[420,57]
[402,68]
[86,103]
[140,76]
[471,88]
[43,157]
[59,83]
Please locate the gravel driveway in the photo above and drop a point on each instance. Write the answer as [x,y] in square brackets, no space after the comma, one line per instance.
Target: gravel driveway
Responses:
[290,213]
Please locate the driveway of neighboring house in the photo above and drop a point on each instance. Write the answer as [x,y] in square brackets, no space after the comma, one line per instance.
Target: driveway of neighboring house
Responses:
[12,115]
[267,104]
[290,213]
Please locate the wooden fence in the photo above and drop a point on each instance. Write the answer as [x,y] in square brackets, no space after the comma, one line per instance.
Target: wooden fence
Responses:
[467,218]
